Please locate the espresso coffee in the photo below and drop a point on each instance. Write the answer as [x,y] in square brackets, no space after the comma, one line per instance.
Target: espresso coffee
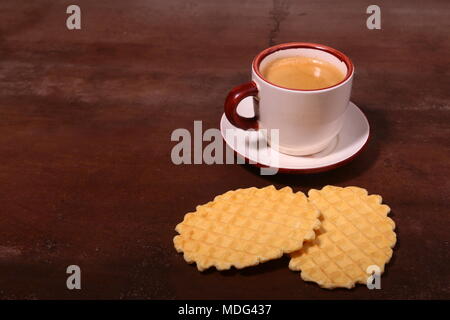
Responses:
[302,73]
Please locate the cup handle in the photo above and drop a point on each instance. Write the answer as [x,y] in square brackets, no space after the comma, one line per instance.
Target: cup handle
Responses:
[232,101]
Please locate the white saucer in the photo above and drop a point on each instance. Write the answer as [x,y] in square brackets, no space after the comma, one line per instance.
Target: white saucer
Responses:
[346,146]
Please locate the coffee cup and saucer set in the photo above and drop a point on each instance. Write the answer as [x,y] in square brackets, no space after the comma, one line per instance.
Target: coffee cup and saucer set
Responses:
[298,108]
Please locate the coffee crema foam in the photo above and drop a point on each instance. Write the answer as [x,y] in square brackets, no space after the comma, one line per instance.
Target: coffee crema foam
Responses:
[302,73]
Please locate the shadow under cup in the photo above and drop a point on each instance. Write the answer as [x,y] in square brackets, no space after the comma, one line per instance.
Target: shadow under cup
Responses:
[305,121]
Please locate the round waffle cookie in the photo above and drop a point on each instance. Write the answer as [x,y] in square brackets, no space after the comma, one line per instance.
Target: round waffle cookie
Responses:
[245,227]
[355,233]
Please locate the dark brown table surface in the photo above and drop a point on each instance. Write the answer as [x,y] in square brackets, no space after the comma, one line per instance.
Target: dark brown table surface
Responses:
[86,116]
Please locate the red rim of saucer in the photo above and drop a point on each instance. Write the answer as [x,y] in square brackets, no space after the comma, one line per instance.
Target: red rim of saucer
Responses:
[308,170]
[293,45]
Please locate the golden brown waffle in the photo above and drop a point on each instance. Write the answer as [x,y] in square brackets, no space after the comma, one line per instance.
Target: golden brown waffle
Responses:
[245,227]
[355,233]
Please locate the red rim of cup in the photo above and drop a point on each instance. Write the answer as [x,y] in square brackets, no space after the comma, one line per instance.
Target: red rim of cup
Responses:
[295,45]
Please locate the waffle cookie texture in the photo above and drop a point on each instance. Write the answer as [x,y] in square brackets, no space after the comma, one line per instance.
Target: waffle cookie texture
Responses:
[355,233]
[245,227]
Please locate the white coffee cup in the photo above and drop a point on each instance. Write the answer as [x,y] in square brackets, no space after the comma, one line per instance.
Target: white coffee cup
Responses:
[307,120]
